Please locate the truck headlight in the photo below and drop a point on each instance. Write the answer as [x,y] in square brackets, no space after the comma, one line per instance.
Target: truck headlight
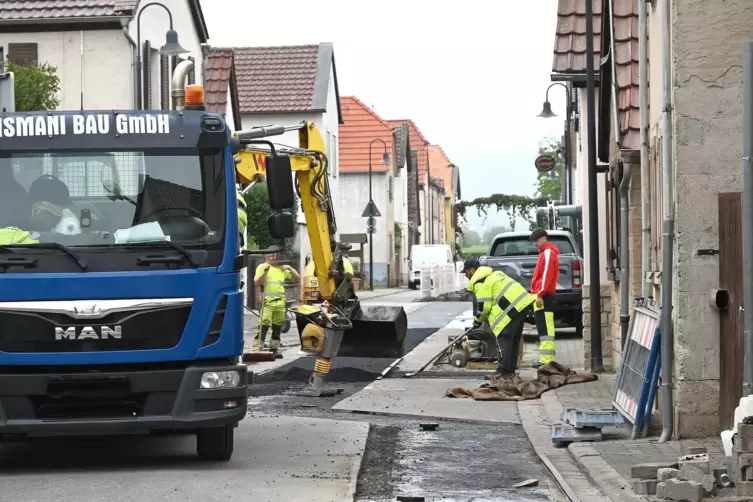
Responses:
[220,379]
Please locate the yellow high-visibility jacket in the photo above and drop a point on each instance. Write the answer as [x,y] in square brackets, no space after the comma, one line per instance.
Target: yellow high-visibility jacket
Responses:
[499,298]
[274,288]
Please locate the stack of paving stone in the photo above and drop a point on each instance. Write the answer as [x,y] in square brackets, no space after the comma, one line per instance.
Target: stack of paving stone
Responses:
[580,425]
[690,479]
[741,463]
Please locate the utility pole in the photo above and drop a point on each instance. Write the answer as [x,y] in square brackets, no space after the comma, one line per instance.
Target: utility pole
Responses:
[597,362]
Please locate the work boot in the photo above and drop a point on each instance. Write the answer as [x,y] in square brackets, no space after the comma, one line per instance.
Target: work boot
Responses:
[260,338]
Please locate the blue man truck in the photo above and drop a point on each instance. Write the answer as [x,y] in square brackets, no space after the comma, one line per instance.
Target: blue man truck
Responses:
[120,301]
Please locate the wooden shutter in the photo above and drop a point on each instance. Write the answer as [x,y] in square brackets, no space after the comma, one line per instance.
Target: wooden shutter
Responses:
[23,54]
[147,74]
[164,66]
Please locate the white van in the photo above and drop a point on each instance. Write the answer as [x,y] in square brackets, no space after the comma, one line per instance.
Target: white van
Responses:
[427,254]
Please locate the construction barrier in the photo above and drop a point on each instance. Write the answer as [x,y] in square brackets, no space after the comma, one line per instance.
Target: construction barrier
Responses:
[438,280]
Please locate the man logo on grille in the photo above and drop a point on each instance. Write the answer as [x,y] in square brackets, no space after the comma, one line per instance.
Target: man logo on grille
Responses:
[88,333]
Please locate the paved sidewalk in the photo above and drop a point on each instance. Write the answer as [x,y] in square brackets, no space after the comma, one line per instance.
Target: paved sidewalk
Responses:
[606,463]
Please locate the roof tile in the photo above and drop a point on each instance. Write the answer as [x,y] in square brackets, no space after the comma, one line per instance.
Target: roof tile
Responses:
[218,69]
[360,128]
[417,142]
[276,79]
[570,39]
[439,165]
[20,10]
[626,69]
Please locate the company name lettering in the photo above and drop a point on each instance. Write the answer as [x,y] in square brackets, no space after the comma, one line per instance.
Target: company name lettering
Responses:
[100,123]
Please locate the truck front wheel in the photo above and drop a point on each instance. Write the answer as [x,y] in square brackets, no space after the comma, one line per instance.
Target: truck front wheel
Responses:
[215,443]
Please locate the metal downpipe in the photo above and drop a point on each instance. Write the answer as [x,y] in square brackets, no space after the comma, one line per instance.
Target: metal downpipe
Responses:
[645,182]
[134,55]
[625,252]
[747,224]
[668,229]
[178,93]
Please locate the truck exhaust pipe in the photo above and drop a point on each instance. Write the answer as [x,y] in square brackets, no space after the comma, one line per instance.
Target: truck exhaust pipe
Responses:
[178,94]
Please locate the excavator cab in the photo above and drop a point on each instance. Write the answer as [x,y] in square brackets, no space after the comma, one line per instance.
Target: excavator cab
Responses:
[376,331]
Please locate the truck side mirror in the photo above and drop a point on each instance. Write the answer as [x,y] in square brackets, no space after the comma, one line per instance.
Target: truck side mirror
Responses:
[281,225]
[280,182]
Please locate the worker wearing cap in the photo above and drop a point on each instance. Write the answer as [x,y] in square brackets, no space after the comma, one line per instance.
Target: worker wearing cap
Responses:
[501,301]
[544,286]
[272,277]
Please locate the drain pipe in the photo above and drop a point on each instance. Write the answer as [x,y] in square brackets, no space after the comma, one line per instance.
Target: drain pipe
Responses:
[668,230]
[625,251]
[132,43]
[179,81]
[747,152]
[645,182]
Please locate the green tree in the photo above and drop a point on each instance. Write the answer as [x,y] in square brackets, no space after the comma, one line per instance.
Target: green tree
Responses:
[490,233]
[36,87]
[470,238]
[549,185]
[257,232]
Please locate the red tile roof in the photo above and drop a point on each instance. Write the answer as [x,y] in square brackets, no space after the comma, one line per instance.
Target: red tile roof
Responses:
[417,142]
[439,167]
[218,68]
[56,9]
[626,61]
[361,125]
[570,39]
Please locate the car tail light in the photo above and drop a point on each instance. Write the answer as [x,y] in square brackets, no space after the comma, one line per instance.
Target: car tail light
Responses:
[576,271]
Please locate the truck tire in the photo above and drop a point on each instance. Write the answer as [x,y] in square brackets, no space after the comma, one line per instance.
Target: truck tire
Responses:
[412,285]
[215,443]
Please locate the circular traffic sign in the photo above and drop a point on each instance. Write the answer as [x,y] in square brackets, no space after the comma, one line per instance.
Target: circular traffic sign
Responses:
[544,163]
[371,222]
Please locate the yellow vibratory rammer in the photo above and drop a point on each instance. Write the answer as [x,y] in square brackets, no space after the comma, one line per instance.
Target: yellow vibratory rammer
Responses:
[339,325]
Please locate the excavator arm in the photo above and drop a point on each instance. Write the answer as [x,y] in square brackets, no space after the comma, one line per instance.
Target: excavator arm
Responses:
[377,331]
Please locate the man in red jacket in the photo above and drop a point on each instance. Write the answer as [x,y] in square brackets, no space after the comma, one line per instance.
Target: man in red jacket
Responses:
[543,286]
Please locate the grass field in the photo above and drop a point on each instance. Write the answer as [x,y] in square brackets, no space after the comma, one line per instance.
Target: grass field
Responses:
[476,250]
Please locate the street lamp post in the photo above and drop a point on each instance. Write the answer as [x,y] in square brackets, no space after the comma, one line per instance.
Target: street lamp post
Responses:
[546,113]
[171,47]
[385,160]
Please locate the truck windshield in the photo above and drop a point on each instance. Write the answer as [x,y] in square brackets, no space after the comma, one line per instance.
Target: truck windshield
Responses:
[95,199]
[516,246]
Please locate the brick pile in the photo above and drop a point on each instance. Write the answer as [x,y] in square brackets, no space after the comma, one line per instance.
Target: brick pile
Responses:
[741,463]
[691,479]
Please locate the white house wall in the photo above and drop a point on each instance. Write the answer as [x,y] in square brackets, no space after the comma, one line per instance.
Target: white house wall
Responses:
[354,190]
[110,89]
[400,205]
[154,25]
[582,192]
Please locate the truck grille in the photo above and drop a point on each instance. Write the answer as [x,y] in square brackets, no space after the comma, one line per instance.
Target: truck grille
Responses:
[35,332]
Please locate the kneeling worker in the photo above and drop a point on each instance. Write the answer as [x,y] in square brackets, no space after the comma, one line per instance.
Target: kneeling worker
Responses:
[501,301]
[272,278]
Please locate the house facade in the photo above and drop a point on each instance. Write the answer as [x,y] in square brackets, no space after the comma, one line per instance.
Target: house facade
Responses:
[288,85]
[569,68]
[93,45]
[448,177]
[703,146]
[364,139]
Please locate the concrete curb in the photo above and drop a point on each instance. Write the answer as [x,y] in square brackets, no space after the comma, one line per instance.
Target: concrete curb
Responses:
[612,482]
[355,470]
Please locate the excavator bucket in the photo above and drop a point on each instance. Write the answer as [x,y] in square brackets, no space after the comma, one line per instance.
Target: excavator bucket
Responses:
[378,331]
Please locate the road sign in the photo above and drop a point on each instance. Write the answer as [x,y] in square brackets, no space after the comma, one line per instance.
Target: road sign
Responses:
[371,229]
[371,210]
[544,163]
[371,222]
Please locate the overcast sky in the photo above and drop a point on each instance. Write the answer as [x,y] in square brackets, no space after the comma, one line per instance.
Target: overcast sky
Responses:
[471,74]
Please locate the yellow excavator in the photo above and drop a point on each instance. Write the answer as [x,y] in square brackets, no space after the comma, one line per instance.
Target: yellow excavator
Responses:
[340,325]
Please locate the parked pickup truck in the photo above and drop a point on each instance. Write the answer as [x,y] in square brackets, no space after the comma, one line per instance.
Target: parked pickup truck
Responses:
[515,254]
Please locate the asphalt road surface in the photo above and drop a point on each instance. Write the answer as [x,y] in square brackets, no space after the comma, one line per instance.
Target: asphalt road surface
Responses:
[291,448]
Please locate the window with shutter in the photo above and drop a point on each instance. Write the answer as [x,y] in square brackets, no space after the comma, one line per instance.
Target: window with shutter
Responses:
[23,54]
[164,66]
[147,76]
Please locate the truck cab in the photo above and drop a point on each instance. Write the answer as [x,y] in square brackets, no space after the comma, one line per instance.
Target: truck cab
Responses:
[120,307]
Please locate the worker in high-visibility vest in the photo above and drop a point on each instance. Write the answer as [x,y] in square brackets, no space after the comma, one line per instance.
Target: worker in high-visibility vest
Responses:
[544,286]
[500,301]
[272,277]
[242,217]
